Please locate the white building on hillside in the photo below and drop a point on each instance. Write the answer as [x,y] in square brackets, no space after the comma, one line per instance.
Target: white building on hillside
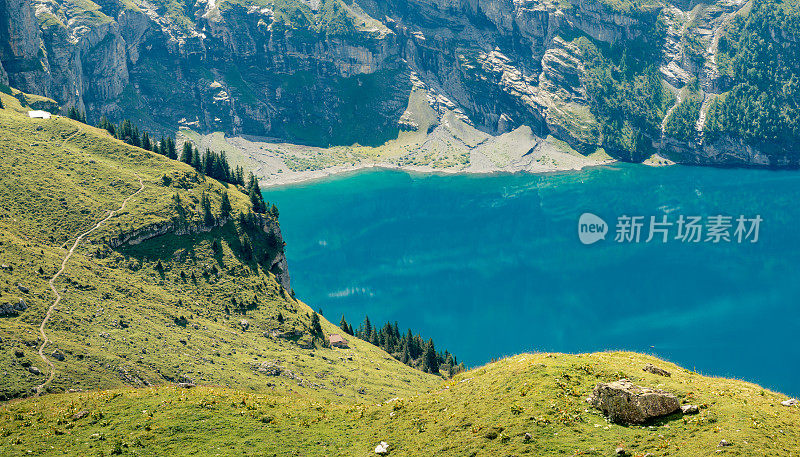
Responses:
[39,114]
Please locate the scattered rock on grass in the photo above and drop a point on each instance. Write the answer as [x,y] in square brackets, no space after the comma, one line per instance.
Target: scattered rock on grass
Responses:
[527,437]
[244,324]
[690,409]
[791,402]
[650,368]
[186,385]
[382,448]
[270,369]
[34,370]
[22,289]
[80,415]
[724,443]
[58,356]
[626,403]
[621,452]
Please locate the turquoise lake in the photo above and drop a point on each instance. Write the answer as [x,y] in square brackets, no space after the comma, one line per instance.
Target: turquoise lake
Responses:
[492,265]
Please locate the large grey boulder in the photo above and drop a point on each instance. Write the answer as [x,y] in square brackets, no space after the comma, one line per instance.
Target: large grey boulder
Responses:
[623,402]
[650,368]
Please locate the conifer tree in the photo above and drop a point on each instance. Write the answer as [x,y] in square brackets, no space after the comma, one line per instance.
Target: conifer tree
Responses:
[205,203]
[254,192]
[146,144]
[107,126]
[247,247]
[316,326]
[196,163]
[126,133]
[366,329]
[239,178]
[430,360]
[171,151]
[345,326]
[187,153]
[136,139]
[225,205]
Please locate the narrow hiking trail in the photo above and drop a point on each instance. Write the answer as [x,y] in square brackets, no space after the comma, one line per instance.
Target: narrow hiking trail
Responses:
[52,281]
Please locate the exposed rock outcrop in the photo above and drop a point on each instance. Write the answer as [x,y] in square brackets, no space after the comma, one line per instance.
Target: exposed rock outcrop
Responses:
[346,76]
[626,403]
[650,368]
[278,266]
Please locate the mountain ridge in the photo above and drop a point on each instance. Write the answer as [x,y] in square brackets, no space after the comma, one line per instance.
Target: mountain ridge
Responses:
[600,75]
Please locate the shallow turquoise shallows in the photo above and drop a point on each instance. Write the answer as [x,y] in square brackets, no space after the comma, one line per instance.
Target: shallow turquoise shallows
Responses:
[492,265]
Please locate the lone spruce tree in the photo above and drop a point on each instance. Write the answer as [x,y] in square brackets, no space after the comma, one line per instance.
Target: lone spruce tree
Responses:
[225,205]
[316,326]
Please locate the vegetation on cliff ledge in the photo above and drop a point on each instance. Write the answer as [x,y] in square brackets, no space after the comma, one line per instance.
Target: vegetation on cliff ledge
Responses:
[761,55]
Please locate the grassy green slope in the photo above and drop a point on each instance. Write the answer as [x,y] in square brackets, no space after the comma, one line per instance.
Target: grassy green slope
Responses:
[486,412]
[123,320]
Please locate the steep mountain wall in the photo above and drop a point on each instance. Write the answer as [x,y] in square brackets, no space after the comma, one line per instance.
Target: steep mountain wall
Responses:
[326,72]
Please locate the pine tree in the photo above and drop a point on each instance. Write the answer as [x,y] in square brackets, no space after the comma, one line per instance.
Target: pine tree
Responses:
[225,206]
[171,151]
[316,326]
[107,125]
[239,178]
[146,144]
[247,247]
[136,138]
[208,217]
[224,168]
[196,163]
[127,133]
[187,153]
[345,326]
[430,360]
[406,357]
[76,114]
[366,329]
[1,104]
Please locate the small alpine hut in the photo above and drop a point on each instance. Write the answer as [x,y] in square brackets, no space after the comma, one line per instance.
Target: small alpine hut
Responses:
[337,341]
[39,114]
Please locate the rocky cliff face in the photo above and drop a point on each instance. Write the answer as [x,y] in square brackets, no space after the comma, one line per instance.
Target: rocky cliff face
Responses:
[266,225]
[335,72]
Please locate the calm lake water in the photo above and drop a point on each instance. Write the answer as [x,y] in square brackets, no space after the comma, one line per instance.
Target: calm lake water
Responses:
[492,265]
